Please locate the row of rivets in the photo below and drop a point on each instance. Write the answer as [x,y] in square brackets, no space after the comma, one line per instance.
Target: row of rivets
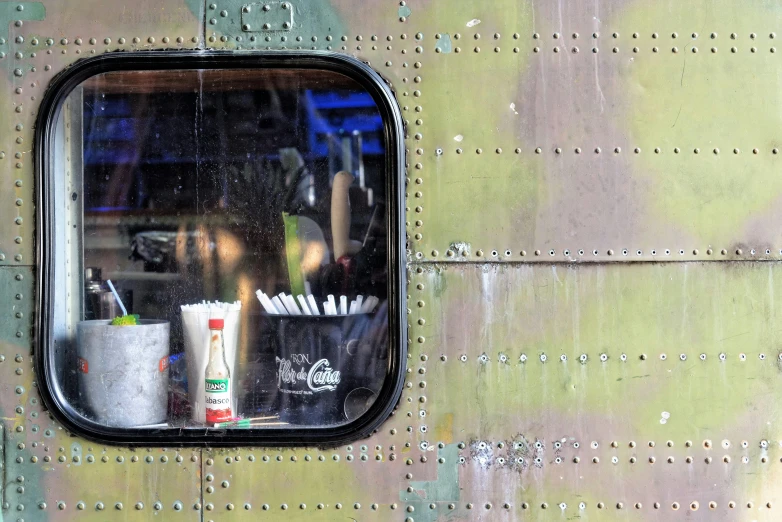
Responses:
[610,252]
[584,358]
[614,444]
[598,150]
[559,444]
[615,35]
[616,50]
[694,506]
[100,506]
[636,150]
[120,459]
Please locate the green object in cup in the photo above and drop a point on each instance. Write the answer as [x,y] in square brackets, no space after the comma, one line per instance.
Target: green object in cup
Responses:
[125,320]
[293,253]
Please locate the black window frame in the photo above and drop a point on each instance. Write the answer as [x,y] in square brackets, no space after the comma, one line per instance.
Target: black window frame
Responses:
[50,390]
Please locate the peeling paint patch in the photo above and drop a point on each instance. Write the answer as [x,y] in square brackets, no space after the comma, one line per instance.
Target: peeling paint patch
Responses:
[458,137]
[443,45]
[473,22]
[513,108]
[664,416]
[460,248]
[481,452]
[404,11]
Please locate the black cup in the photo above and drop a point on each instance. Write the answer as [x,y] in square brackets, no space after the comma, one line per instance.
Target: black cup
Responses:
[329,368]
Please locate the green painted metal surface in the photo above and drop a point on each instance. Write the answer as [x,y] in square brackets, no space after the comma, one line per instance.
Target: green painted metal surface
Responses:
[544,140]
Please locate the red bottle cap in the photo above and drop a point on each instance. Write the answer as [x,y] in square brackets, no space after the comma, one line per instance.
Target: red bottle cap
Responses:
[216,324]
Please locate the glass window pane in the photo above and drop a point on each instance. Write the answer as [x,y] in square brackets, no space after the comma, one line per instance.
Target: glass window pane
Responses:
[257,197]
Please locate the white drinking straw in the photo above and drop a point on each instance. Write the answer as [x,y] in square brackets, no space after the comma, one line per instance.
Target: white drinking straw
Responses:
[326,309]
[284,302]
[266,303]
[359,303]
[343,305]
[353,308]
[303,303]
[332,305]
[292,306]
[279,305]
[313,305]
[368,305]
[116,296]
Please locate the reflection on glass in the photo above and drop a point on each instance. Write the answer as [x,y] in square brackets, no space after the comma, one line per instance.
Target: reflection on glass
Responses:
[255,196]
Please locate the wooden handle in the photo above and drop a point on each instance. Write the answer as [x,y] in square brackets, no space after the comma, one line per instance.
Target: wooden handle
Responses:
[340,213]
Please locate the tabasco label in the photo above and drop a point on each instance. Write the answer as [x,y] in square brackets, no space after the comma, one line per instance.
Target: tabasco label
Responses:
[84,366]
[162,365]
[218,400]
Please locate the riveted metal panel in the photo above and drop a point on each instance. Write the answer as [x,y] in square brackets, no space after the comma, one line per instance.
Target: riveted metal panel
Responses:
[357,481]
[612,384]
[237,24]
[58,477]
[267,17]
[565,142]
[16,209]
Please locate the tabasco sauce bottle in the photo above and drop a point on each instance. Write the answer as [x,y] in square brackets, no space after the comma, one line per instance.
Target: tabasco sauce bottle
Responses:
[218,377]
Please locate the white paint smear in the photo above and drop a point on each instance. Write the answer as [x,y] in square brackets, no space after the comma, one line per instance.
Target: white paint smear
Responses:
[473,22]
[513,108]
[458,137]
[664,416]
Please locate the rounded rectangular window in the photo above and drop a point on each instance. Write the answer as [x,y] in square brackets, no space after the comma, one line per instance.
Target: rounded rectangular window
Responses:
[220,248]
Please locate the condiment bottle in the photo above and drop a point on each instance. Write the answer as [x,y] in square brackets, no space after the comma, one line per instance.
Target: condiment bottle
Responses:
[218,377]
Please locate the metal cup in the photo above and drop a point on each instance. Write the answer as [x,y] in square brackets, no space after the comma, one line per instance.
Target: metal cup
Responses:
[123,372]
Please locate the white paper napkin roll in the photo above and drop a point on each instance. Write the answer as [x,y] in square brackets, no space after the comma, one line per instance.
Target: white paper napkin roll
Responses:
[195,323]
